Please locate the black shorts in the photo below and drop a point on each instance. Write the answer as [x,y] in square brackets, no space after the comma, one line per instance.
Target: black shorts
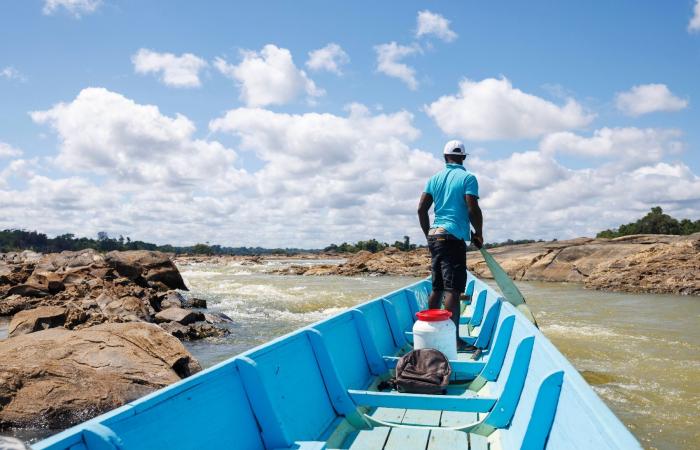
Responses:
[449,263]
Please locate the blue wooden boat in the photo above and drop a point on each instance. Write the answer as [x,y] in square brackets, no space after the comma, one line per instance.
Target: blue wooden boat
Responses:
[316,388]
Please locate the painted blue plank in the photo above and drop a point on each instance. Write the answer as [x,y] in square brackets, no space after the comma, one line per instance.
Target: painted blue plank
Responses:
[499,349]
[378,326]
[345,350]
[477,442]
[291,377]
[448,440]
[370,439]
[420,401]
[422,417]
[394,415]
[479,308]
[394,323]
[407,439]
[372,353]
[489,325]
[457,418]
[334,384]
[543,412]
[503,411]
[273,433]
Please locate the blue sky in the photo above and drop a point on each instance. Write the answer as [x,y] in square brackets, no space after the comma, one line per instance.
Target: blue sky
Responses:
[580,116]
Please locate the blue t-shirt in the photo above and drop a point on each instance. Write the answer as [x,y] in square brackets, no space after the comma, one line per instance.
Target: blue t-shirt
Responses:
[448,188]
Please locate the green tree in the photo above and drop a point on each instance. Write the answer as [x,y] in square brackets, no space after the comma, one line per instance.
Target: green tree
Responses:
[655,222]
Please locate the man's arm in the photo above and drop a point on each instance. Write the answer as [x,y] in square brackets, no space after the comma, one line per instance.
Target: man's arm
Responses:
[476,219]
[426,201]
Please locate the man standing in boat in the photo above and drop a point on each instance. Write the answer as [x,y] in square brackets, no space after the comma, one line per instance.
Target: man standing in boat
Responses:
[455,193]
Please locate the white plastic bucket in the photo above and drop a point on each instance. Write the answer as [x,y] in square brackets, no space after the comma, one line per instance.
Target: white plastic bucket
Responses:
[435,329]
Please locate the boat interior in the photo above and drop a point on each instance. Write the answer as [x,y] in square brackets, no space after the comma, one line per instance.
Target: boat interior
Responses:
[317,388]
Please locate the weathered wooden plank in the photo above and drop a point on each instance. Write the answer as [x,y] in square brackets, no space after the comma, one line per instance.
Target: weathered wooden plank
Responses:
[407,439]
[389,414]
[478,442]
[448,440]
[421,417]
[457,418]
[371,439]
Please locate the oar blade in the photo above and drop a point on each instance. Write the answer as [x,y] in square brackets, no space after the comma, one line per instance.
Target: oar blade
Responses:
[510,291]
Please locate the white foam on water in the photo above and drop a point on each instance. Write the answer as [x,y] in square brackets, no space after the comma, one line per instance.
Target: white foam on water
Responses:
[298,288]
[579,330]
[198,273]
[242,273]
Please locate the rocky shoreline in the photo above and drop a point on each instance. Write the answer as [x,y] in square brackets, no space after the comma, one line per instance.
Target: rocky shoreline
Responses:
[90,332]
[659,264]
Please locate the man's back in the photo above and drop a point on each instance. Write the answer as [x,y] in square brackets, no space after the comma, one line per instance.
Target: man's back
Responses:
[448,188]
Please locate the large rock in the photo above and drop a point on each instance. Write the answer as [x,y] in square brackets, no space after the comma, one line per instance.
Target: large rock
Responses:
[37,319]
[155,268]
[179,315]
[12,304]
[126,309]
[172,299]
[58,377]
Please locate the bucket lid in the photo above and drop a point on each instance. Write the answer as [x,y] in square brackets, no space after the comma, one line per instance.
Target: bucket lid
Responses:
[433,315]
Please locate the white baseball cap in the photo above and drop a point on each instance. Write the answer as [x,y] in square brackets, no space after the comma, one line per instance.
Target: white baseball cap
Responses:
[455,148]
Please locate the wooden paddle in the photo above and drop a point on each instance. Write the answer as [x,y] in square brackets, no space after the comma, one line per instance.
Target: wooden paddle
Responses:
[510,291]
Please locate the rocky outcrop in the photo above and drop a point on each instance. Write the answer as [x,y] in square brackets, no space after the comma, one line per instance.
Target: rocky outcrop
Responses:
[37,319]
[90,288]
[179,315]
[391,261]
[59,377]
[152,268]
[640,263]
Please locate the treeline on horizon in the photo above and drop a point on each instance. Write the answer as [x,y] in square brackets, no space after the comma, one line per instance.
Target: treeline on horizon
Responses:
[12,240]
[655,222]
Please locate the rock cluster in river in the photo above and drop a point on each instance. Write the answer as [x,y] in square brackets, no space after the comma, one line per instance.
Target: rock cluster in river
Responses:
[90,332]
[76,290]
[639,263]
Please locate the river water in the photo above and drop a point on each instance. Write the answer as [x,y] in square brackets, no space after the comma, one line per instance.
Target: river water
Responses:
[641,353]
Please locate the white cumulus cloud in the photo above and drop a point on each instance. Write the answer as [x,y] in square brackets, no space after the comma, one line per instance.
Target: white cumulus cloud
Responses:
[328,177]
[648,98]
[430,23]
[8,151]
[269,77]
[633,147]
[389,58]
[76,8]
[106,133]
[176,71]
[493,109]
[128,168]
[331,58]
[694,24]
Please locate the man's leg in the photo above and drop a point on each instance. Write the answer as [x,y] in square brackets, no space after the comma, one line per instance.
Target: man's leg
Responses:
[436,258]
[452,305]
[435,299]
[454,275]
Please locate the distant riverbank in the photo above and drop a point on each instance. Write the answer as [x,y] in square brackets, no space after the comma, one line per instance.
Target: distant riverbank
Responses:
[647,263]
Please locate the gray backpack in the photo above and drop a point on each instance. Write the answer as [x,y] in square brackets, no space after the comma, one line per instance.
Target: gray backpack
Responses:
[423,371]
